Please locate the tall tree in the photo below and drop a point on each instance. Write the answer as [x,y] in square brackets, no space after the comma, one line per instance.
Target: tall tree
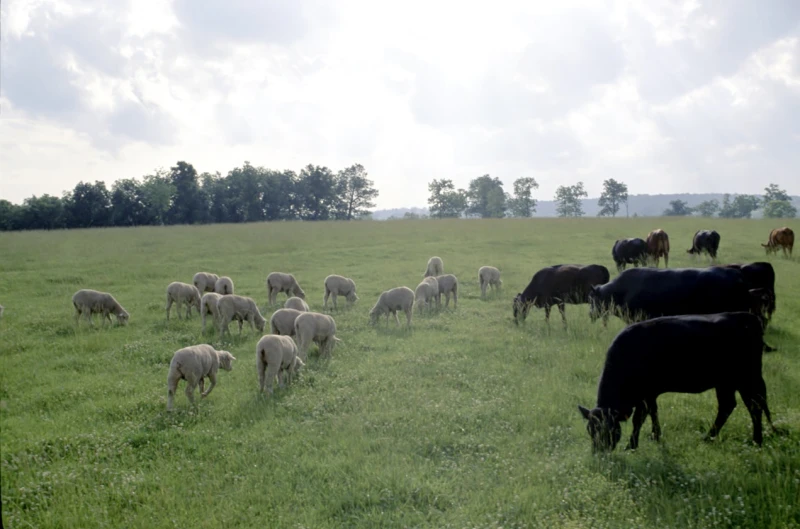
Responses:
[486,198]
[10,216]
[43,213]
[741,207]
[777,203]
[614,193]
[279,194]
[707,208]
[157,194]
[88,206]
[523,204]
[244,188]
[356,192]
[773,192]
[678,208]
[445,201]
[316,193]
[186,204]
[127,203]
[569,200]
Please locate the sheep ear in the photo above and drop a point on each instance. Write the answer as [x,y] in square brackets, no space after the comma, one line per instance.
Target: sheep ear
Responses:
[584,411]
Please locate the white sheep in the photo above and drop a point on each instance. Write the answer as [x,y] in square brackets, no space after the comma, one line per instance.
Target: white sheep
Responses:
[296,304]
[193,364]
[278,282]
[435,267]
[205,281]
[315,327]
[87,301]
[448,284]
[426,293]
[276,356]
[182,293]
[208,305]
[240,308]
[489,276]
[391,301]
[224,286]
[282,321]
[339,286]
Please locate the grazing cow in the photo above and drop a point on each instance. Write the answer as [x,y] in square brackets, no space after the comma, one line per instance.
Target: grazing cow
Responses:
[705,241]
[557,285]
[679,354]
[780,237]
[629,251]
[658,246]
[759,275]
[645,293]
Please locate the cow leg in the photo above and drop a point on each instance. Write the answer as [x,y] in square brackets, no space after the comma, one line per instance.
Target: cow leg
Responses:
[547,314]
[726,403]
[561,309]
[755,414]
[652,408]
[639,415]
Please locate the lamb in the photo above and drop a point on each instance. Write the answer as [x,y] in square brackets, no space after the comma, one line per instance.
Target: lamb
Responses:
[224,286]
[316,327]
[435,267]
[448,284]
[339,286]
[278,282]
[205,281]
[193,364]
[88,302]
[180,293]
[489,276]
[276,356]
[208,305]
[296,304]
[390,301]
[282,321]
[426,293]
[241,308]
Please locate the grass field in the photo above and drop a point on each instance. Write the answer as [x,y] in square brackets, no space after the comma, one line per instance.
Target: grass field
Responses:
[467,421]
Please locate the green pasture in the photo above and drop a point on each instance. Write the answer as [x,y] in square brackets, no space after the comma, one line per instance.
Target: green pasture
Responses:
[467,421]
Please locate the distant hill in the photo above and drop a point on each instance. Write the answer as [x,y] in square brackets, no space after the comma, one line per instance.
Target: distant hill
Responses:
[641,205]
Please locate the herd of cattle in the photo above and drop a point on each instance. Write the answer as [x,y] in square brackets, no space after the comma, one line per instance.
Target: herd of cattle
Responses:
[689,330]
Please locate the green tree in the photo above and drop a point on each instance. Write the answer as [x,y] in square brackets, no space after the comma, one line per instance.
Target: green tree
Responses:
[127,203]
[523,204]
[244,194]
[678,208]
[780,209]
[157,194]
[280,195]
[614,193]
[187,204]
[445,201]
[316,193]
[10,216]
[356,192]
[89,205]
[773,192]
[569,200]
[486,198]
[741,207]
[43,213]
[707,208]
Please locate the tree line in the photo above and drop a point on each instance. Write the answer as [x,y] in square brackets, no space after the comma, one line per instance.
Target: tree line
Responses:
[182,196]
[775,203]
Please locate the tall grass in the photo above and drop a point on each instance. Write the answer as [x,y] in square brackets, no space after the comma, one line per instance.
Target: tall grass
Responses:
[466,421]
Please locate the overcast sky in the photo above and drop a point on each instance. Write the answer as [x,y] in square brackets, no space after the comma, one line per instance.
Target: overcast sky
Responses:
[678,96]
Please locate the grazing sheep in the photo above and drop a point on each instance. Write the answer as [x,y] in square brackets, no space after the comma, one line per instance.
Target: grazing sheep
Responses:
[193,364]
[276,356]
[435,267]
[224,286]
[278,282]
[180,293]
[88,302]
[240,308]
[282,321]
[426,293]
[205,281]
[296,304]
[208,305]
[448,284]
[390,301]
[489,276]
[316,327]
[339,286]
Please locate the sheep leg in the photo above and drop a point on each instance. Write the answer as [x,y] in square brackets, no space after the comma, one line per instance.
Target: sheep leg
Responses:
[172,386]
[203,321]
[726,402]
[169,305]
[408,317]
[455,299]
[335,305]
[261,367]
[213,378]
[396,317]
[77,316]
[483,289]
[201,384]
[190,385]
[325,299]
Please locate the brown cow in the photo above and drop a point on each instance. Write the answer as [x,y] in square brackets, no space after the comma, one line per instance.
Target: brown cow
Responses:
[783,237]
[658,245]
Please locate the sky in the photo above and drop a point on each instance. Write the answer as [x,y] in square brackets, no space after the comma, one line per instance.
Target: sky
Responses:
[666,96]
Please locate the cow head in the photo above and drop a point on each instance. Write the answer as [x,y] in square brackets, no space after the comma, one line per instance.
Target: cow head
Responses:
[603,425]
[520,308]
[761,304]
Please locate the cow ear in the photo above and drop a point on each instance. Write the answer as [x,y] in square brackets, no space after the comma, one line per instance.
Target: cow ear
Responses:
[584,411]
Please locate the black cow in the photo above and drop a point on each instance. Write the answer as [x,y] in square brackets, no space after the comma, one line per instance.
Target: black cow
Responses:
[759,275]
[557,285]
[679,354]
[644,293]
[629,251]
[705,241]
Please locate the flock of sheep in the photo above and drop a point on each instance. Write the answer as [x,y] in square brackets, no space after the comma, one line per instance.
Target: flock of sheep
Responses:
[293,328]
